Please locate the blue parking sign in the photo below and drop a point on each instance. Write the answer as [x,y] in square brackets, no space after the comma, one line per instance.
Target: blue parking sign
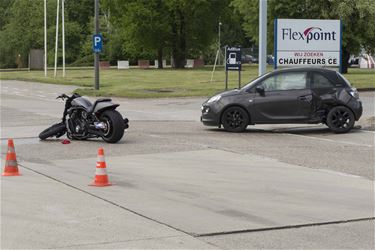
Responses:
[97,43]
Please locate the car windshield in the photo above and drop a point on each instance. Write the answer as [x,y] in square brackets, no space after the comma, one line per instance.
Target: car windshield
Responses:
[254,81]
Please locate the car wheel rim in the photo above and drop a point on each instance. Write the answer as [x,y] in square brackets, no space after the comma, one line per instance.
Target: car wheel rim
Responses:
[234,119]
[341,119]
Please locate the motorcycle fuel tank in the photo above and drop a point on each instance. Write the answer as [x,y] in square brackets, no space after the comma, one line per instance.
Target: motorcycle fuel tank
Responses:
[82,102]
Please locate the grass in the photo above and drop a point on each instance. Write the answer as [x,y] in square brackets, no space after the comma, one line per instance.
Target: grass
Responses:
[161,83]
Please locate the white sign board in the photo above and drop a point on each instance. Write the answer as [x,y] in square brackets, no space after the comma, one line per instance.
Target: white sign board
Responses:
[123,65]
[307,42]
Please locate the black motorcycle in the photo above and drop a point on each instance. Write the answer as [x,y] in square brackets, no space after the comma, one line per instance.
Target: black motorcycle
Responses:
[82,120]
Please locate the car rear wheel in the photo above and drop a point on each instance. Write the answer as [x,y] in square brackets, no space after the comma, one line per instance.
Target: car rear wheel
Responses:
[235,119]
[340,119]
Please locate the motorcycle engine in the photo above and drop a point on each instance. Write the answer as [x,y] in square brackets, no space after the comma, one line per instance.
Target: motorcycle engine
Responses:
[77,123]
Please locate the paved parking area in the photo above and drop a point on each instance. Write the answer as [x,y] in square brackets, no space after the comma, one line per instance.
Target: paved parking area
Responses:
[179,184]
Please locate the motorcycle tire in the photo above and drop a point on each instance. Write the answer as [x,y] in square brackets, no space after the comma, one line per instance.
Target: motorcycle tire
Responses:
[55,130]
[115,126]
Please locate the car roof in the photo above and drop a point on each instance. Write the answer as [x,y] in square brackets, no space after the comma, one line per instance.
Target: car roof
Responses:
[323,70]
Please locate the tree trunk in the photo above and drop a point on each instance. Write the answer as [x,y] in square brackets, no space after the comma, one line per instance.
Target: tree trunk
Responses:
[160,58]
[345,60]
[179,42]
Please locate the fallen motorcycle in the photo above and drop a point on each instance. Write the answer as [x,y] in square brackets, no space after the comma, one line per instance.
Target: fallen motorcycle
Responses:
[82,120]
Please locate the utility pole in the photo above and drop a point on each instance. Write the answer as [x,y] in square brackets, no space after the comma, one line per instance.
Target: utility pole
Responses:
[262,36]
[96,60]
[45,38]
[63,34]
[57,37]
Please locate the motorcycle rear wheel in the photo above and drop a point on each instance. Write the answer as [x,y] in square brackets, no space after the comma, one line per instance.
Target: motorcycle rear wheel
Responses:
[115,126]
[57,130]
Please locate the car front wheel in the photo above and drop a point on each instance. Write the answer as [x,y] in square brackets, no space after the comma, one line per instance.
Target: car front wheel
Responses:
[340,119]
[235,119]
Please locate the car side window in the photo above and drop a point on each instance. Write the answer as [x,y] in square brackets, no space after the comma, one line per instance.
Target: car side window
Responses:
[320,81]
[285,81]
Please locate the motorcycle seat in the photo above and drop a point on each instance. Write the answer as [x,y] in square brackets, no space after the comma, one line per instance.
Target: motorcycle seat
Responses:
[92,108]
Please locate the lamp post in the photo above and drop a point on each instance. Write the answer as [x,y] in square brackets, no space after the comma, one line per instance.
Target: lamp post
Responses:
[262,36]
[45,38]
[219,42]
[63,33]
[57,37]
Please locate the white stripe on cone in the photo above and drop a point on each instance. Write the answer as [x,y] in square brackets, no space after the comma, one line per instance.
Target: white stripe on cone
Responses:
[100,158]
[101,171]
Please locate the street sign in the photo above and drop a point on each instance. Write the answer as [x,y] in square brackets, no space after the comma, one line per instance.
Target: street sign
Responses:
[233,58]
[309,42]
[232,62]
[97,43]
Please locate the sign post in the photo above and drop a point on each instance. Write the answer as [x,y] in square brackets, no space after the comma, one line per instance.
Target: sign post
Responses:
[307,42]
[232,62]
[97,41]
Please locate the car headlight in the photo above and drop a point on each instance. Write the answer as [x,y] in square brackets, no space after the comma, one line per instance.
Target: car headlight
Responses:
[353,92]
[214,98]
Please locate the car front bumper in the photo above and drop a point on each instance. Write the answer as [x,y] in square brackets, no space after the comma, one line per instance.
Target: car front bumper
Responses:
[210,116]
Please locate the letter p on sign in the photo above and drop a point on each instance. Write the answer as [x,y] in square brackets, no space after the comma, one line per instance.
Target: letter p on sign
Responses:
[97,43]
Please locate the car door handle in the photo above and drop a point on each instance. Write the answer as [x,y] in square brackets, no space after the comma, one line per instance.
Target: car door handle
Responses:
[302,98]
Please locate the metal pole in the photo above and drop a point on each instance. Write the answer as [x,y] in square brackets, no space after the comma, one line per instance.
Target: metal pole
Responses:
[57,37]
[225,67]
[219,42]
[262,36]
[213,70]
[45,38]
[239,79]
[63,34]
[96,60]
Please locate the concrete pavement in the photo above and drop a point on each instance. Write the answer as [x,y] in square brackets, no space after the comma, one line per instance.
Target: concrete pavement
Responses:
[181,185]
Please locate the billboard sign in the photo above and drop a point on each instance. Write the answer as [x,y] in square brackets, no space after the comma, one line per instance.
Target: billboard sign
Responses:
[307,42]
[233,58]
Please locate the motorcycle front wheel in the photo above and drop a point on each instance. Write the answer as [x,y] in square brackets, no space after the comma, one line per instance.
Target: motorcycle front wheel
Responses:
[57,130]
[114,126]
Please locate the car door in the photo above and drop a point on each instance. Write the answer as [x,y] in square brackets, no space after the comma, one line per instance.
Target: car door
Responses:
[286,98]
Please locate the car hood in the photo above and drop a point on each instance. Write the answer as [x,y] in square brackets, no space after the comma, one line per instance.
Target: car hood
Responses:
[225,93]
[230,92]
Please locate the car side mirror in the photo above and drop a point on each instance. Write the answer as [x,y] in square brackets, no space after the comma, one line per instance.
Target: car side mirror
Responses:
[260,90]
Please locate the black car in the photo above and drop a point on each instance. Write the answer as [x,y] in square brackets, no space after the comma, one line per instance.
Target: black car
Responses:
[299,95]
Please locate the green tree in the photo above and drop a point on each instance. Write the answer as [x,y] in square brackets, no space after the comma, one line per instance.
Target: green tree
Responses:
[178,27]
[357,18]
[23,28]
[143,25]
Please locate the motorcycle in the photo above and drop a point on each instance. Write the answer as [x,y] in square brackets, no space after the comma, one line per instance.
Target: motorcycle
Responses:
[82,120]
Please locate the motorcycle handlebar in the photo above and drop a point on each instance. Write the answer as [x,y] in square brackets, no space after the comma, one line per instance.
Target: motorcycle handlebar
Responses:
[62,96]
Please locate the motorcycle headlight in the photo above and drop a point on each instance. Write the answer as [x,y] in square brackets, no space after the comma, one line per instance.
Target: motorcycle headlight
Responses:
[214,99]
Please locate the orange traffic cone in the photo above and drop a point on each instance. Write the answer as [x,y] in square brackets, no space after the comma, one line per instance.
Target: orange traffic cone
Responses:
[101,177]
[11,165]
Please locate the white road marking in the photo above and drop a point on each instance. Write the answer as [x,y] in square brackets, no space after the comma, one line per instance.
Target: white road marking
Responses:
[339,173]
[367,131]
[330,140]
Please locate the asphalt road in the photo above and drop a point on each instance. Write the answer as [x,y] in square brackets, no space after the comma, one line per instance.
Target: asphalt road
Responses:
[179,184]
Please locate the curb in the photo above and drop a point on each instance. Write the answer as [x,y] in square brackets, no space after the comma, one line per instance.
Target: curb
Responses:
[365,89]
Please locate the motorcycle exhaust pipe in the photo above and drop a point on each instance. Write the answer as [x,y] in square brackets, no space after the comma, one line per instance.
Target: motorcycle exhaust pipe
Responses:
[99,125]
